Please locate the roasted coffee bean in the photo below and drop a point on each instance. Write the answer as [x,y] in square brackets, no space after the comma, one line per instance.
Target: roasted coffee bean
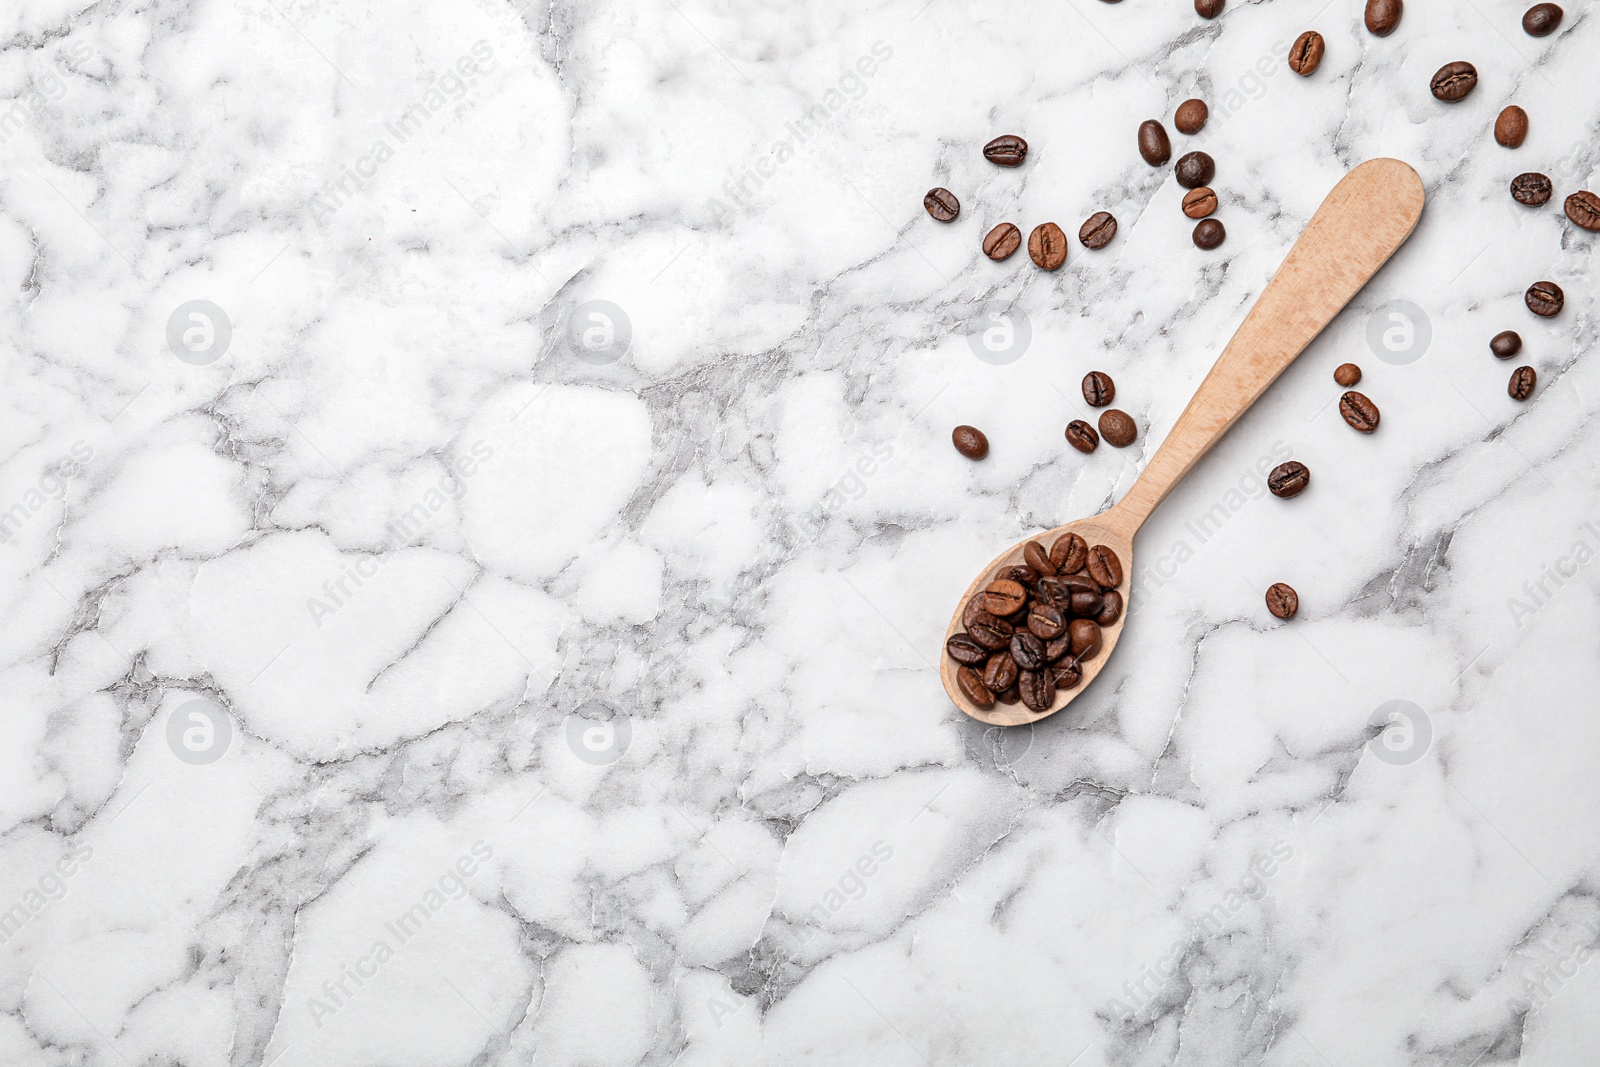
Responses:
[963,649]
[1111,610]
[1004,597]
[1027,650]
[1195,169]
[1020,573]
[1000,672]
[1359,412]
[1047,246]
[1511,128]
[1118,428]
[1523,379]
[971,685]
[1046,622]
[1069,553]
[1001,241]
[1081,435]
[1306,53]
[1097,230]
[1583,208]
[1037,558]
[1060,646]
[1347,374]
[1532,189]
[991,632]
[1541,20]
[1085,634]
[1208,9]
[1544,299]
[1209,234]
[1190,117]
[941,204]
[970,442]
[1282,600]
[1383,16]
[1289,479]
[1079,583]
[1454,81]
[1009,696]
[1198,203]
[1067,674]
[1007,150]
[1506,344]
[1153,143]
[1038,689]
[1087,605]
[974,611]
[1098,389]
[1104,567]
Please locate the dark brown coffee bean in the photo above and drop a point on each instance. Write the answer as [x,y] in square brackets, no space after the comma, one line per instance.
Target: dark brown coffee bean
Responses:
[1153,143]
[970,442]
[1086,605]
[1532,189]
[1583,208]
[1009,696]
[1060,646]
[1523,379]
[974,611]
[1097,230]
[1454,81]
[1046,622]
[1209,234]
[1079,583]
[1383,16]
[1198,203]
[1085,634]
[1511,128]
[1047,246]
[1098,389]
[1208,9]
[1118,428]
[1038,558]
[1289,479]
[1027,650]
[1020,573]
[1081,435]
[1000,672]
[1069,553]
[1104,567]
[1541,20]
[1359,412]
[1191,116]
[991,632]
[1001,241]
[1067,674]
[1195,169]
[1038,689]
[1544,299]
[1004,597]
[941,204]
[1306,53]
[1282,600]
[1007,150]
[1347,374]
[971,685]
[1506,344]
[1111,610]
[963,649]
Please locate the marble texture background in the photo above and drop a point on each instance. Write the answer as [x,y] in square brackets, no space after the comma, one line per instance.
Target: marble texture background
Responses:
[404,666]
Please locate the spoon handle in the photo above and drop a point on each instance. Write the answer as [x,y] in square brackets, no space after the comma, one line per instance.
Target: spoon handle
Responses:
[1358,227]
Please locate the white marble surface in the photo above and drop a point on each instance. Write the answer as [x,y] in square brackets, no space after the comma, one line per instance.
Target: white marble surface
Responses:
[407,547]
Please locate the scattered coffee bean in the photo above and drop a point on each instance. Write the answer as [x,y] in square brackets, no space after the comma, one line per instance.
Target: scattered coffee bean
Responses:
[1358,411]
[1118,428]
[1511,128]
[1583,208]
[1453,81]
[1191,117]
[1195,169]
[963,649]
[1544,299]
[1069,553]
[1208,9]
[1506,344]
[1081,435]
[1347,374]
[1110,609]
[1000,672]
[1007,150]
[971,685]
[1282,600]
[1001,241]
[1004,597]
[1531,189]
[1098,389]
[1383,16]
[1153,143]
[1289,479]
[1541,20]
[1104,567]
[1047,246]
[1523,379]
[1198,203]
[970,442]
[1306,53]
[1209,234]
[941,204]
[1038,559]
[1098,230]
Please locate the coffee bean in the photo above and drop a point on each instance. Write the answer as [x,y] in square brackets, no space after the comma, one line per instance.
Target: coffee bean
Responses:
[1027,650]
[1523,379]
[1153,143]
[1020,573]
[1058,648]
[1583,208]
[1046,621]
[1511,128]
[1004,597]
[1359,412]
[1009,696]
[1544,299]
[990,632]
[1289,479]
[1081,435]
[1282,600]
[1111,609]
[1306,53]
[974,611]
[1069,553]
[1038,558]
[941,204]
[1541,20]
[1000,672]
[1506,344]
[1118,428]
[1531,189]
[1098,230]
[1104,567]
[1067,674]
[1086,605]
[963,649]
[1001,241]
[1383,16]
[1195,169]
[1079,583]
[1347,374]
[972,687]
[1047,246]
[1098,389]
[1198,203]
[1208,9]
[970,442]
[1038,689]
[1085,635]
[1209,234]
[1190,117]
[1453,81]
[1007,150]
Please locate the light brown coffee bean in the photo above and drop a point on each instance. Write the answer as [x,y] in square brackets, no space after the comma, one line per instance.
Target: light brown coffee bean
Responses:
[1383,16]
[1004,597]
[1191,116]
[1511,128]
[1104,567]
[1583,208]
[1037,558]
[1081,435]
[1198,203]
[1001,241]
[1069,553]
[941,204]
[1305,55]
[1118,428]
[1098,389]
[970,441]
[1282,600]
[1047,246]
[971,685]
[1523,379]
[1359,412]
[1347,374]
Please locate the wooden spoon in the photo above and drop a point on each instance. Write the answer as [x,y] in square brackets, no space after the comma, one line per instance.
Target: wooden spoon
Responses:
[1358,227]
